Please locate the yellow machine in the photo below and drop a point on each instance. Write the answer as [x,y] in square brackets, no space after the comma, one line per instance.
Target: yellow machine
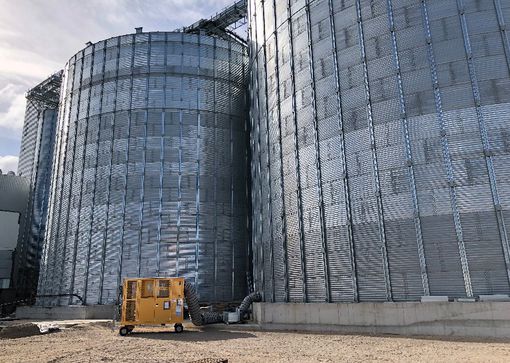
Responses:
[152,301]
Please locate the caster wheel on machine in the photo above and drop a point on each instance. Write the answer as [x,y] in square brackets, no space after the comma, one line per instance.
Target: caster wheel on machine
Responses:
[123,331]
[178,328]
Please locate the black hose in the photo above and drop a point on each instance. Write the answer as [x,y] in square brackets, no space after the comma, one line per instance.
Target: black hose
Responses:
[248,300]
[198,317]
[203,318]
[211,317]
[62,295]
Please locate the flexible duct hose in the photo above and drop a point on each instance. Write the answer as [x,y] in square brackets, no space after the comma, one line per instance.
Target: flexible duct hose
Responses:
[248,300]
[198,317]
[203,318]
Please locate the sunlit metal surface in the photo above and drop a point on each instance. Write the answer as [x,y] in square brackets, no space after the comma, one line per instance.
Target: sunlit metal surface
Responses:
[381,156]
[35,164]
[150,168]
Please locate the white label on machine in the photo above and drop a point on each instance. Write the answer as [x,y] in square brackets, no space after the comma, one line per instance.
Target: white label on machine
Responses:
[166,305]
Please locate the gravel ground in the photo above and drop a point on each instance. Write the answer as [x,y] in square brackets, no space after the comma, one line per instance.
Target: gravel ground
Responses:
[96,343]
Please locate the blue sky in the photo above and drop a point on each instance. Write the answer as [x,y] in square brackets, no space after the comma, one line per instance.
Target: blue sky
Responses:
[37,37]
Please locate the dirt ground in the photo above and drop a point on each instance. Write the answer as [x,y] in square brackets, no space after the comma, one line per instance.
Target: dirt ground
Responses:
[96,343]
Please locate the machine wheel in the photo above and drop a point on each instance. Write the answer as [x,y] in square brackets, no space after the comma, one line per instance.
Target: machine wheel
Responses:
[178,328]
[123,331]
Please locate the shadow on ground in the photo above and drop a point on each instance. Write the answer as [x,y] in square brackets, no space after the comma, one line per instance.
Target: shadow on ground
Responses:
[191,336]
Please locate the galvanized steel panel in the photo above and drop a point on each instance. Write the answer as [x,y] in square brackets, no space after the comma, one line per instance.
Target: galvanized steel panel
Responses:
[388,120]
[150,177]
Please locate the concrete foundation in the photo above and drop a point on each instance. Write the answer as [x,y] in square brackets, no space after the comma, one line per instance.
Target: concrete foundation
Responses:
[467,319]
[71,312]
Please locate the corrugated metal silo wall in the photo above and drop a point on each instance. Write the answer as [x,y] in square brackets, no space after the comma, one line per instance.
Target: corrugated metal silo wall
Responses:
[380,148]
[37,154]
[28,148]
[150,168]
[27,169]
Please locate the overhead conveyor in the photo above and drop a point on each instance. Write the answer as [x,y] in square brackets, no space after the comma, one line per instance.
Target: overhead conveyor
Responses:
[47,93]
[223,23]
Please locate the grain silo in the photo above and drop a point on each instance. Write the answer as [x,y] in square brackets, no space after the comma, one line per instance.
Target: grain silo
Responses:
[35,164]
[150,169]
[381,151]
